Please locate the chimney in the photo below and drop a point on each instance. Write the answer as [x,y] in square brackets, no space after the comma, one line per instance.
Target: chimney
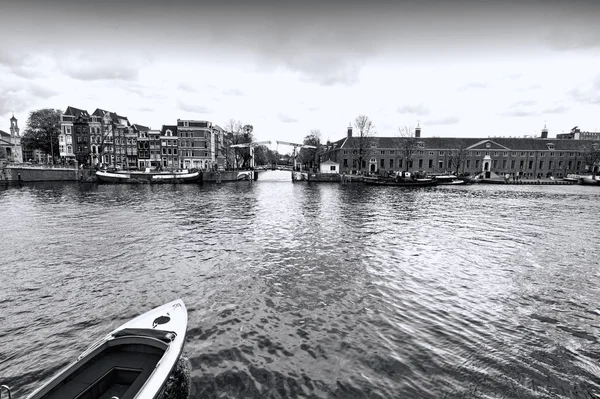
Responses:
[418,131]
[350,130]
[545,132]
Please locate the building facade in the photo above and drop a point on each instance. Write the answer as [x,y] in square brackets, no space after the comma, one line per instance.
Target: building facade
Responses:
[10,144]
[169,147]
[199,144]
[526,157]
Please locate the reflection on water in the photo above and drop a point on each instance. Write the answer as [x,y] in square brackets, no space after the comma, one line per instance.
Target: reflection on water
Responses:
[299,290]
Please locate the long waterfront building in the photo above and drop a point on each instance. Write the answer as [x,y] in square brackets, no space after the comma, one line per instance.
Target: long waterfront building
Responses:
[527,157]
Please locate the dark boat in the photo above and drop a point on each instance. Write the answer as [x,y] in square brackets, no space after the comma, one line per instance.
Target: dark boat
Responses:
[132,362]
[400,182]
[148,177]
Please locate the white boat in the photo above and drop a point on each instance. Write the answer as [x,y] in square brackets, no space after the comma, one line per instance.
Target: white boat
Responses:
[148,177]
[132,362]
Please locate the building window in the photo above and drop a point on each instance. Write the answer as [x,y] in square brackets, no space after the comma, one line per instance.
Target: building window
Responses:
[430,164]
[382,163]
[495,153]
[541,165]
[522,154]
[186,124]
[205,153]
[560,164]
[504,164]
[521,164]
[551,154]
[441,153]
[392,152]
[505,153]
[420,164]
[431,153]
[332,168]
[345,152]
[512,164]
[477,153]
[468,164]
[345,163]
[391,164]
[382,152]
[531,154]
[400,164]
[477,164]
[530,165]
[441,164]
[542,154]
[550,164]
[495,164]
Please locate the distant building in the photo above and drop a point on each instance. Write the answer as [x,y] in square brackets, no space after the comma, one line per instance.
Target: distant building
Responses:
[168,146]
[329,167]
[154,146]
[10,144]
[577,134]
[528,157]
[143,145]
[115,131]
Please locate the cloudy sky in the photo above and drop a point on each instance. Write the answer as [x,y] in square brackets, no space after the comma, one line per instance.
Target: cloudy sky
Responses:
[460,69]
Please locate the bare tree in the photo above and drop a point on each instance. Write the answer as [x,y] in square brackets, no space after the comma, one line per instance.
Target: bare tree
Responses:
[360,143]
[590,151]
[458,156]
[407,145]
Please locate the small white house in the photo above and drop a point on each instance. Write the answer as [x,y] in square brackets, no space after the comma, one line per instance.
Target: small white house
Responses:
[329,167]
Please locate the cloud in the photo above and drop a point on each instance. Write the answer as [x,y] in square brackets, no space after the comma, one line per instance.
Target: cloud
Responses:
[89,68]
[188,107]
[233,92]
[523,103]
[473,85]
[587,95]
[518,113]
[41,91]
[573,38]
[419,109]
[313,109]
[184,86]
[286,119]
[446,120]
[556,110]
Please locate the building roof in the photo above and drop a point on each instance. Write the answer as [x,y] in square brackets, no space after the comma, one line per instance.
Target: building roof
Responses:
[76,112]
[496,143]
[164,129]
[140,128]
[3,133]
[329,162]
[113,116]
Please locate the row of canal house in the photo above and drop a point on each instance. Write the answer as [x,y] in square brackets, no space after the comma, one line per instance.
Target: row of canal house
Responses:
[528,157]
[108,138]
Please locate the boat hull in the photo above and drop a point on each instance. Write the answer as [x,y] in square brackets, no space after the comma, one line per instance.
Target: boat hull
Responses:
[401,183]
[134,178]
[132,362]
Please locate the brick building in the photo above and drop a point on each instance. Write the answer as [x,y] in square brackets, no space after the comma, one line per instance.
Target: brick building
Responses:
[527,157]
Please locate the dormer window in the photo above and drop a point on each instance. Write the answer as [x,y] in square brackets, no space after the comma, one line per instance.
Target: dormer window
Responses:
[420,144]
[186,123]
[550,146]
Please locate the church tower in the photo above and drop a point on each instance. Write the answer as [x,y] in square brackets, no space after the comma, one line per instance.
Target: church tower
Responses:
[14,127]
[15,139]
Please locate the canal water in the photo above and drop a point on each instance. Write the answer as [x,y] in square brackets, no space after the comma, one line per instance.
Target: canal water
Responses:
[299,290]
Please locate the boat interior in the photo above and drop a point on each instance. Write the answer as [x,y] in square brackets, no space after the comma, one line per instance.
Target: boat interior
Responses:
[118,368]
